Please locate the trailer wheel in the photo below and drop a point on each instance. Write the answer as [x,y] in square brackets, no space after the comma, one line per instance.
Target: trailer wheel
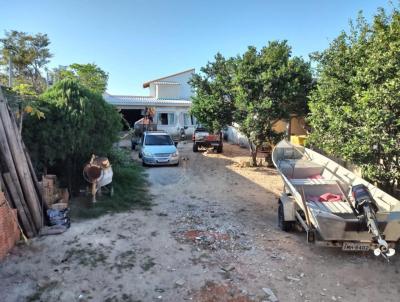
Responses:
[285,226]
[195,147]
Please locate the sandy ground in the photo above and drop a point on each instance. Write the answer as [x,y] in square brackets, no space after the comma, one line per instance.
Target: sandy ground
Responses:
[210,236]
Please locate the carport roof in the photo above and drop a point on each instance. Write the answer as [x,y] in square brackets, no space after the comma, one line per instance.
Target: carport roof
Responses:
[126,100]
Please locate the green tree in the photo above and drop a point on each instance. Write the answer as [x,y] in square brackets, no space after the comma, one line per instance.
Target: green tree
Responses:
[29,56]
[78,123]
[254,91]
[270,85]
[355,110]
[213,103]
[89,75]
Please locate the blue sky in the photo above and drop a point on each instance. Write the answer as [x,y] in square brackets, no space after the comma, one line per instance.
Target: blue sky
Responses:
[138,40]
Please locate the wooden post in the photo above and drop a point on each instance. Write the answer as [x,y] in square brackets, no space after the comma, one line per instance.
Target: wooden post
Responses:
[34,178]
[28,227]
[21,166]
[7,158]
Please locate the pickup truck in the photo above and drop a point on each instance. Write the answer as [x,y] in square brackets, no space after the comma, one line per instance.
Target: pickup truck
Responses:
[202,138]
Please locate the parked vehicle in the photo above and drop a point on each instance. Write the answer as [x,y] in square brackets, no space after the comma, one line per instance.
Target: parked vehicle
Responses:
[158,148]
[141,126]
[335,207]
[203,139]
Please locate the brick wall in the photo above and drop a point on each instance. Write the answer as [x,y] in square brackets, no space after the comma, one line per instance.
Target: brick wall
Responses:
[9,232]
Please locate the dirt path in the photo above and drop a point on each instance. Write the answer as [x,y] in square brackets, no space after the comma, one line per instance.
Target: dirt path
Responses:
[211,236]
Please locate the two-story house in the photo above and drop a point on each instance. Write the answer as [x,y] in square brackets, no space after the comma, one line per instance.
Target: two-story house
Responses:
[169,95]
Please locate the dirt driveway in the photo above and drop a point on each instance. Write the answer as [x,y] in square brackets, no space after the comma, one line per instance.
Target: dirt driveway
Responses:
[210,236]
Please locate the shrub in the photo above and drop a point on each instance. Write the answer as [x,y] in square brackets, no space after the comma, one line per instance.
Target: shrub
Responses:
[77,123]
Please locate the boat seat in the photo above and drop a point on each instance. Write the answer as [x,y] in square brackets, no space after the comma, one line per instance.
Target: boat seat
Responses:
[300,168]
[334,207]
[312,181]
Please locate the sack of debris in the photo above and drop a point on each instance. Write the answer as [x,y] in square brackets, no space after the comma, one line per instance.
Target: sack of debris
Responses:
[59,215]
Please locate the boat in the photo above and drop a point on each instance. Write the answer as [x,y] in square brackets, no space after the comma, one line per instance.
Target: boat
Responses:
[334,206]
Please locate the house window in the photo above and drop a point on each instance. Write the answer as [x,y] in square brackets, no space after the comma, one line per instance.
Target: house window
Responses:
[188,120]
[166,119]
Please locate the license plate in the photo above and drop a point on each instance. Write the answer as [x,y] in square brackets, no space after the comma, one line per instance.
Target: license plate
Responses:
[163,160]
[355,246]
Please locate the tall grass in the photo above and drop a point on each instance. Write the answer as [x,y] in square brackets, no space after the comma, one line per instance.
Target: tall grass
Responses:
[130,190]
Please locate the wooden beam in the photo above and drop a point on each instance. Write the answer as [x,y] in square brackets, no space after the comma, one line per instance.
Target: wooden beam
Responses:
[18,157]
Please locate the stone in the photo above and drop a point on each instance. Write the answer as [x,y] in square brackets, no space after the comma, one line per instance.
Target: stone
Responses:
[270,294]
[290,278]
[180,282]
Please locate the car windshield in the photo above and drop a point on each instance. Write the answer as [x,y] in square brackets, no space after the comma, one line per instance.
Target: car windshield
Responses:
[158,140]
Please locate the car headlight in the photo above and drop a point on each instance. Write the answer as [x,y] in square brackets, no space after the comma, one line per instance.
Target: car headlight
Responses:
[175,154]
[147,154]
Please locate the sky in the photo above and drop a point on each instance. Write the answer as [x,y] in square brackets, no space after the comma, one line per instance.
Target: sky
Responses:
[137,40]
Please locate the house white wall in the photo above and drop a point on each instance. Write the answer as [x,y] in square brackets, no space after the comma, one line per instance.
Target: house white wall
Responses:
[181,91]
[178,120]
[152,89]
[166,91]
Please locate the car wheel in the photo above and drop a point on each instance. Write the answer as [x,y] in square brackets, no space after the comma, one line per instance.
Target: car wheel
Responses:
[195,147]
[219,149]
[144,164]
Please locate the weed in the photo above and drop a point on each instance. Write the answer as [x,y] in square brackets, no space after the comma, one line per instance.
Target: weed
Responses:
[86,257]
[148,263]
[125,260]
[130,192]
[40,290]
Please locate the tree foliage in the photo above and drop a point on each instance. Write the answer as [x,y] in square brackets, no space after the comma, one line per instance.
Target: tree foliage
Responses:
[253,90]
[89,75]
[355,110]
[269,86]
[29,56]
[78,123]
[213,103]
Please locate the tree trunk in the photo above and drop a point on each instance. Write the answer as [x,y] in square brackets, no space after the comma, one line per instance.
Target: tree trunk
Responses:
[253,152]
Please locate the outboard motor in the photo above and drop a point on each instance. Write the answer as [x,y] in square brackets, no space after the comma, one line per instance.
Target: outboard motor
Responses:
[362,198]
[367,207]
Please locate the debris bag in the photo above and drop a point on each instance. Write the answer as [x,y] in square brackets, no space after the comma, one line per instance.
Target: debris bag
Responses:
[57,214]
[59,217]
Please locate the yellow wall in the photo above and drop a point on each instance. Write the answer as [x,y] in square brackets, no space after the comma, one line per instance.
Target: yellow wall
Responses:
[297,124]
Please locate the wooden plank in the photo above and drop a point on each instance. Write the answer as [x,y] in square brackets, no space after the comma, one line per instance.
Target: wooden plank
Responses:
[19,199]
[34,178]
[20,163]
[12,192]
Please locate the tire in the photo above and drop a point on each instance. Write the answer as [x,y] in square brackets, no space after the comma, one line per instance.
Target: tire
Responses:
[177,164]
[144,164]
[285,226]
[219,149]
[195,147]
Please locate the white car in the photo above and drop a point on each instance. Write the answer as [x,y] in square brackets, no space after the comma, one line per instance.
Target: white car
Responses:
[158,148]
